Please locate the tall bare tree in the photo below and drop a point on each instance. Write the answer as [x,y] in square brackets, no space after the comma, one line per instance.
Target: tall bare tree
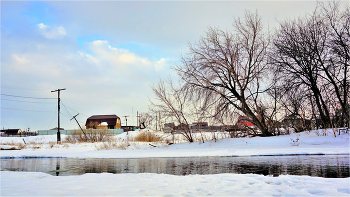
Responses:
[338,25]
[228,67]
[312,54]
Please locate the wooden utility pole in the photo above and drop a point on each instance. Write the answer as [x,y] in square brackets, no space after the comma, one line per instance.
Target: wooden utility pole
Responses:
[156,122]
[160,123]
[127,130]
[126,120]
[58,128]
[138,121]
[79,125]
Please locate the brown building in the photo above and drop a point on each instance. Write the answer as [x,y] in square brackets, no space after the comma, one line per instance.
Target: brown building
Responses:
[99,121]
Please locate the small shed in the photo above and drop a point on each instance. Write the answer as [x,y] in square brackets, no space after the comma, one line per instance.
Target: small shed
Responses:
[97,121]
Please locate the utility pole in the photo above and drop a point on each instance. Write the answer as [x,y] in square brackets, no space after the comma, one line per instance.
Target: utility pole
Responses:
[126,120]
[137,119]
[58,128]
[127,130]
[160,123]
[156,122]
[79,125]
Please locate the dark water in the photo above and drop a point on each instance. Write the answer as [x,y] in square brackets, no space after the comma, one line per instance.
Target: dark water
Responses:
[330,166]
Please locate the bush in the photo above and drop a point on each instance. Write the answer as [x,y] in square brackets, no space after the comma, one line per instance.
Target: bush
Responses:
[121,145]
[147,137]
[92,135]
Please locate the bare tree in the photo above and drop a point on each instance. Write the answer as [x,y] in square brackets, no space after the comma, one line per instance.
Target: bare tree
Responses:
[228,69]
[145,119]
[312,54]
[337,65]
[173,102]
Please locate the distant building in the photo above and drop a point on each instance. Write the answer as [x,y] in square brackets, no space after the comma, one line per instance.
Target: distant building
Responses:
[11,131]
[244,121]
[169,127]
[103,121]
[199,125]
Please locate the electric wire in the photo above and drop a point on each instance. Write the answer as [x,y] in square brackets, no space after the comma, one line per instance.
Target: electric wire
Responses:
[73,109]
[70,113]
[47,128]
[25,101]
[23,109]
[25,96]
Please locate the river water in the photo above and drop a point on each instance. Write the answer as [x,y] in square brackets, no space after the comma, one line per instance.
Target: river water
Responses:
[328,166]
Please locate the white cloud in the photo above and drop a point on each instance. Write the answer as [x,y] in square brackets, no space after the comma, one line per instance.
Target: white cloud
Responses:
[159,65]
[51,32]
[42,26]
[18,59]
[103,52]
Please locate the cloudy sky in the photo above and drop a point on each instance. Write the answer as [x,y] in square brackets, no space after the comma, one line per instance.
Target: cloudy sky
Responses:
[106,54]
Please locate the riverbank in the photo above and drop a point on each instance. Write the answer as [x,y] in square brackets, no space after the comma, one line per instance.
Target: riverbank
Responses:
[146,184]
[150,184]
[305,143]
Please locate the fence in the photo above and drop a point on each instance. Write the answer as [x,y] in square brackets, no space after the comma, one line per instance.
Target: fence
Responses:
[67,132]
[24,134]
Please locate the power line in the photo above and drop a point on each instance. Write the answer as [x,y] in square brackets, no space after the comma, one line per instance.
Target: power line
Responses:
[23,109]
[25,96]
[73,109]
[26,101]
[66,109]
[47,128]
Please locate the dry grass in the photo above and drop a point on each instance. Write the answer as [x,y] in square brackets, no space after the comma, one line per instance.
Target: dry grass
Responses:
[146,137]
[200,137]
[109,145]
[92,135]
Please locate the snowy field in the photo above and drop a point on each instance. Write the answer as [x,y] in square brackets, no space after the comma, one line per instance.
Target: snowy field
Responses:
[146,184]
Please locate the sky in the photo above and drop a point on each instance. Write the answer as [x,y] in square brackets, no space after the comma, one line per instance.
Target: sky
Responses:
[106,54]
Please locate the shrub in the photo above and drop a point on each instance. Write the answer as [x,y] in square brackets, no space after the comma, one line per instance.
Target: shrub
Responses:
[122,145]
[92,135]
[147,137]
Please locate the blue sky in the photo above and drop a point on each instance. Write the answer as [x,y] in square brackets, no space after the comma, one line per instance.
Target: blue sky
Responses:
[106,54]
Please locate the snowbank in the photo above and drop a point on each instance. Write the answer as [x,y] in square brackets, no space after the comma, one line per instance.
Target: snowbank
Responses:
[307,143]
[36,183]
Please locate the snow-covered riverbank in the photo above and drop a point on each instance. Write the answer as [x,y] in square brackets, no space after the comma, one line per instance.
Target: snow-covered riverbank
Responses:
[146,184]
[41,184]
[308,143]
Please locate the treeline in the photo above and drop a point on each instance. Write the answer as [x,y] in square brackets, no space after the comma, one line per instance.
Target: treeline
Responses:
[301,69]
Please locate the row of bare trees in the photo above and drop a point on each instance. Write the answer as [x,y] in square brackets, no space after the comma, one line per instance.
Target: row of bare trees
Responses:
[300,69]
[310,59]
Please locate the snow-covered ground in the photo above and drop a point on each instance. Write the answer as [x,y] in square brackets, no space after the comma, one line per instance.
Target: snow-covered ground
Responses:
[308,143]
[36,183]
[41,184]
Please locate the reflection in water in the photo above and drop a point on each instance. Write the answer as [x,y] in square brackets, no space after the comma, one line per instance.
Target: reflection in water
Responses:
[57,167]
[332,166]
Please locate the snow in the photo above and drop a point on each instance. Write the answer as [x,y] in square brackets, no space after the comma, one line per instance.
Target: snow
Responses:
[308,143]
[147,184]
